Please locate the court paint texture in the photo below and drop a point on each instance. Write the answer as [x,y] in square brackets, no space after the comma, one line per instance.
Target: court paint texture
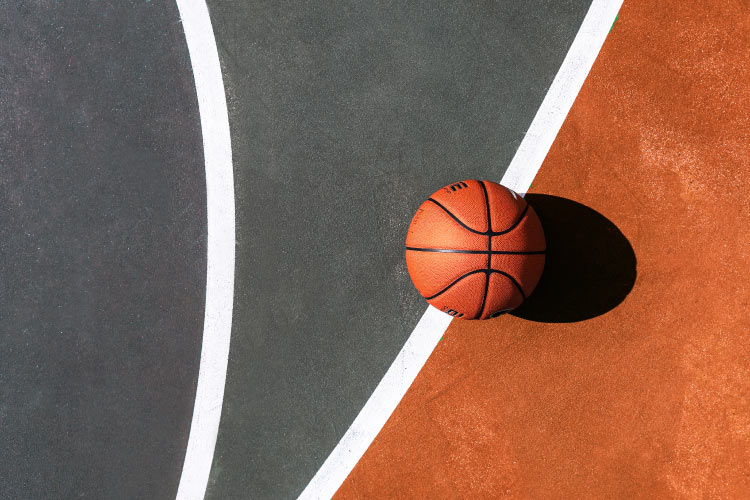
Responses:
[343,117]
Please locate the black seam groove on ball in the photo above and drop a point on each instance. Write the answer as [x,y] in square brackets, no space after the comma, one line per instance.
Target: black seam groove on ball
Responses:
[513,280]
[454,217]
[486,271]
[489,248]
[499,313]
[477,252]
[488,232]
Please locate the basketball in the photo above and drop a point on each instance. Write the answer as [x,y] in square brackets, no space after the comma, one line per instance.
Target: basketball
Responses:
[475,249]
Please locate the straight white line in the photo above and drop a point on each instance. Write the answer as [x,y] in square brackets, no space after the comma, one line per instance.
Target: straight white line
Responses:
[521,172]
[217,322]
[561,95]
[379,407]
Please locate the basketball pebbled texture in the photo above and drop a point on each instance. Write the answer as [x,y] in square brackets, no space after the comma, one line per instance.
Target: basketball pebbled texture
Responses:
[475,249]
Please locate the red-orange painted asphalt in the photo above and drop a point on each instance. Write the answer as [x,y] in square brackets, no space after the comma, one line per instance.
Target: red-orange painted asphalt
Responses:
[651,399]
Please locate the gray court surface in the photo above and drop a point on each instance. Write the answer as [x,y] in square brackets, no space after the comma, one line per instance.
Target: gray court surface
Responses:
[344,117]
[102,249]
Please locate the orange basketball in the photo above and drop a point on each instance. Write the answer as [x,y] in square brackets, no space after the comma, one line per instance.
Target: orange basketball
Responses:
[475,249]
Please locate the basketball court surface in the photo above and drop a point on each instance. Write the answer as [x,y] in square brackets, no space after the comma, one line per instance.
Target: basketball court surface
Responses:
[203,289]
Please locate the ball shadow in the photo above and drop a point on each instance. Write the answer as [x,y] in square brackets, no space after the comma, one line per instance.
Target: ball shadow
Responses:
[590,266]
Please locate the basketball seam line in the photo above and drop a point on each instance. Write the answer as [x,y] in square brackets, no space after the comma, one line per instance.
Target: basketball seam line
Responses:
[486,271]
[478,252]
[489,248]
[516,283]
[485,233]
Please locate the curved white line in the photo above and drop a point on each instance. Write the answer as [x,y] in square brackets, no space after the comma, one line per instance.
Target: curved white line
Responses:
[521,172]
[217,322]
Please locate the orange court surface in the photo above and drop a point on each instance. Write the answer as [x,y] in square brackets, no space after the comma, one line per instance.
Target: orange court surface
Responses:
[652,399]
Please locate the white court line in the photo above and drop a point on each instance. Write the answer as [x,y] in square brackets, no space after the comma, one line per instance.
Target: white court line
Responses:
[217,322]
[521,172]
